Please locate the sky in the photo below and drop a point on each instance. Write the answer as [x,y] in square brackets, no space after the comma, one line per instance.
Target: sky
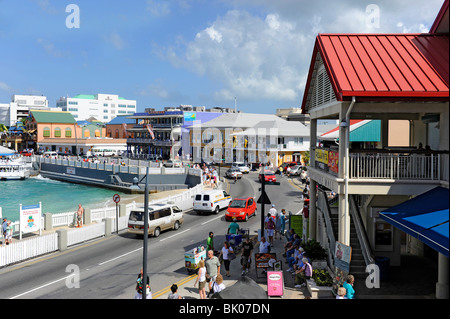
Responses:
[165,53]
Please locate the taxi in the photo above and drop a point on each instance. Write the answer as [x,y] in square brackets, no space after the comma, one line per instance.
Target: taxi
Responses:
[241,209]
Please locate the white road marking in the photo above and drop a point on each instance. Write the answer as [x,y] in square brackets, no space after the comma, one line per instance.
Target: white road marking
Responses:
[210,220]
[176,234]
[105,262]
[43,286]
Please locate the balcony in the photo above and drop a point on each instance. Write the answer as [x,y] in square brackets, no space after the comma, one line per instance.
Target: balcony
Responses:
[382,171]
[150,141]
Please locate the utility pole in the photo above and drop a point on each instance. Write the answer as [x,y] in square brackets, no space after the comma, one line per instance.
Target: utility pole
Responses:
[144,266]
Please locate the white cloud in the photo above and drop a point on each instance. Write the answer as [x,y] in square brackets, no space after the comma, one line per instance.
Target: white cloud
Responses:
[158,7]
[5,87]
[49,47]
[116,40]
[250,56]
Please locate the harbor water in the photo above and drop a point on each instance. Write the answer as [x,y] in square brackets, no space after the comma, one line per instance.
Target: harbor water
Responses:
[55,196]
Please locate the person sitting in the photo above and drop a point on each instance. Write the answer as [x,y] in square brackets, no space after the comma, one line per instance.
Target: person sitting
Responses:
[298,255]
[303,274]
[289,247]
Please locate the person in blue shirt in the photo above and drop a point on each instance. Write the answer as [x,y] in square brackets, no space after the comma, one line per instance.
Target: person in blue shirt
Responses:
[348,285]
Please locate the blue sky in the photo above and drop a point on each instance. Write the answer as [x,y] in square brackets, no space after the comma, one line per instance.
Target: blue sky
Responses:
[169,52]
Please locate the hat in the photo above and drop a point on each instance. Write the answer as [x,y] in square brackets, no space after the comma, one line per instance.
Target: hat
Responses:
[273,205]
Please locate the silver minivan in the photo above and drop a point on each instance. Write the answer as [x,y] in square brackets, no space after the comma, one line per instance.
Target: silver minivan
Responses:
[161,217]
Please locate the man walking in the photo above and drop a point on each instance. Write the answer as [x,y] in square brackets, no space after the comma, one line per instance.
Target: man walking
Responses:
[246,259]
[212,265]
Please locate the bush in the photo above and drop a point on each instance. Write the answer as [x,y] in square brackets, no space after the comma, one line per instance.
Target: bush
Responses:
[322,278]
[314,250]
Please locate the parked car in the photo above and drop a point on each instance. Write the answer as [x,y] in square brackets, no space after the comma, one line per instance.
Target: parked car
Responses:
[241,209]
[242,167]
[284,166]
[269,176]
[233,173]
[211,201]
[296,170]
[161,217]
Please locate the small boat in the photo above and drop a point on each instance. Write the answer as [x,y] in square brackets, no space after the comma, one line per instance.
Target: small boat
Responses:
[14,169]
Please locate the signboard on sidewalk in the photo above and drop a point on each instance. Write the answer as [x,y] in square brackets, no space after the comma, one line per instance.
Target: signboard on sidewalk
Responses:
[30,218]
[275,283]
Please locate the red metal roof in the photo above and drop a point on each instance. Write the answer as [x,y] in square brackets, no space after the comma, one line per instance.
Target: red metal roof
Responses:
[440,24]
[384,66]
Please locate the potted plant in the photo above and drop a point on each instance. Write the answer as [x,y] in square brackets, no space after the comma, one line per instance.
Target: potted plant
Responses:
[314,250]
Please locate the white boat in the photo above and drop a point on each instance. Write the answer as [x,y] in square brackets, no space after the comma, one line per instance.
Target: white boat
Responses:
[14,169]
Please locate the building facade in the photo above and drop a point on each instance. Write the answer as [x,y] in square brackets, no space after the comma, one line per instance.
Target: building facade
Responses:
[103,107]
[19,107]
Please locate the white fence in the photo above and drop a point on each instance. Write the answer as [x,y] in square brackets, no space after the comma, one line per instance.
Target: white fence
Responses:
[40,245]
[26,249]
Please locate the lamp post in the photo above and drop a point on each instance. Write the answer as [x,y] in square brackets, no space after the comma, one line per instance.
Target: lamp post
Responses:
[144,264]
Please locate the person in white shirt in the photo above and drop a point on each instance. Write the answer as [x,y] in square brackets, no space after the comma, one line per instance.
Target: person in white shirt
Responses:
[273,211]
[264,246]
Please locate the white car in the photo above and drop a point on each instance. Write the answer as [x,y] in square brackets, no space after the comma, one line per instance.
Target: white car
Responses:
[243,168]
[233,173]
[296,170]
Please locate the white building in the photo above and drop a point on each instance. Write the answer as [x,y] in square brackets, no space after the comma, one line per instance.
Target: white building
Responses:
[103,107]
[19,107]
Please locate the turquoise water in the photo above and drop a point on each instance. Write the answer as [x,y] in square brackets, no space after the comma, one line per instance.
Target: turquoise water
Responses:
[55,196]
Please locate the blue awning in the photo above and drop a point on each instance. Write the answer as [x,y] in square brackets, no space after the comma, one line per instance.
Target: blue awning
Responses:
[425,217]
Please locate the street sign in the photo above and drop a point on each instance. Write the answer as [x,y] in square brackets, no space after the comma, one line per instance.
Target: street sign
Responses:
[116,198]
[264,199]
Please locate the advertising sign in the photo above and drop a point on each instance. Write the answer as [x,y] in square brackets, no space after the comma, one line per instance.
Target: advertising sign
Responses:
[30,218]
[189,116]
[321,155]
[342,256]
[333,161]
[296,223]
[275,283]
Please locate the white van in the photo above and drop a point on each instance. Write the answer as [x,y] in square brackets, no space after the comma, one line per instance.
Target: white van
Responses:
[161,217]
[211,201]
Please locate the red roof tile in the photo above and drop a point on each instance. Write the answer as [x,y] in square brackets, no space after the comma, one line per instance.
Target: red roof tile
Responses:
[384,66]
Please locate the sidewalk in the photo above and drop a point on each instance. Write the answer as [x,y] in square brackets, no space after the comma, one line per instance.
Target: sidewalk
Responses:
[188,291]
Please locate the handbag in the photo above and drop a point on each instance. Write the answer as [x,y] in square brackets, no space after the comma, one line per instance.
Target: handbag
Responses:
[231,256]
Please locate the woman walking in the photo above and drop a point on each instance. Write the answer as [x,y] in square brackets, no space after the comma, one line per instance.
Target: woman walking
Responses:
[225,253]
[201,279]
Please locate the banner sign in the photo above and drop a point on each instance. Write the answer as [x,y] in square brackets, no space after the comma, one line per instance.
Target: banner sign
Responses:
[30,218]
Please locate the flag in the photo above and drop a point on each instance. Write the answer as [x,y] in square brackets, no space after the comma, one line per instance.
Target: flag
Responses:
[150,130]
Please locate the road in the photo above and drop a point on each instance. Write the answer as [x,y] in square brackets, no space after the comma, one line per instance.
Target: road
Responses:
[107,268]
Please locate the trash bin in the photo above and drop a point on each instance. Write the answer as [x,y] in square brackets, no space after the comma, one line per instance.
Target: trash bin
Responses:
[383,265]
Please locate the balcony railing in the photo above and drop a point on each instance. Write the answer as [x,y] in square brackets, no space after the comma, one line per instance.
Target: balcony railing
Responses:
[381,164]
[399,166]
